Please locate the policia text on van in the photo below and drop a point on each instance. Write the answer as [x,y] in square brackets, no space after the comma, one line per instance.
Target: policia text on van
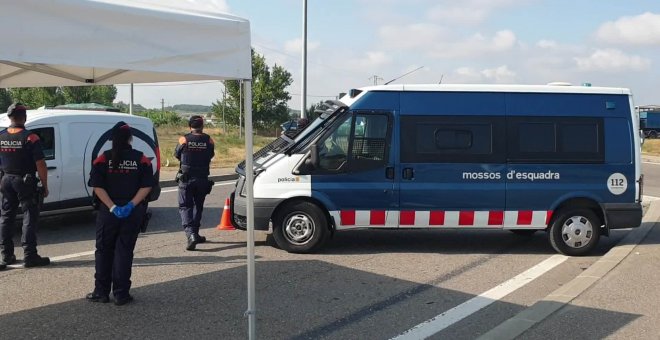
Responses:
[523,158]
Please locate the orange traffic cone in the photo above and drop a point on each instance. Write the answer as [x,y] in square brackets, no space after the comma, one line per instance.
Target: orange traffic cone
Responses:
[225,223]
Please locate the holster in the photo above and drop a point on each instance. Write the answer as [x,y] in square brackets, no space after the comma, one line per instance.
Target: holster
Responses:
[210,186]
[145,222]
[181,177]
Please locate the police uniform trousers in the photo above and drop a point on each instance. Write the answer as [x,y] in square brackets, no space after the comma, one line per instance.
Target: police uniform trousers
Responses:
[115,242]
[16,192]
[192,194]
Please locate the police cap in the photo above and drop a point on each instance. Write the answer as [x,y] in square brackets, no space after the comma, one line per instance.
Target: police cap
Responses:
[196,122]
[120,127]
[16,109]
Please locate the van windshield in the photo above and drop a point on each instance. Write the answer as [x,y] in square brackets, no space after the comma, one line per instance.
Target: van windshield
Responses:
[327,114]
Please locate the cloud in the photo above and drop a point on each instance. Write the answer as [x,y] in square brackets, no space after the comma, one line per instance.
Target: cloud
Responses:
[412,36]
[643,29]
[295,46]
[546,44]
[475,46]
[470,11]
[500,74]
[612,60]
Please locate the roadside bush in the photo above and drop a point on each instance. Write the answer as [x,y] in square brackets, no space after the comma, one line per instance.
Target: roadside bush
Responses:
[160,118]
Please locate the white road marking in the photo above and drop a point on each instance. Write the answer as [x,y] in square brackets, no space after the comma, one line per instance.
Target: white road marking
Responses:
[649,198]
[654,163]
[59,258]
[458,313]
[216,185]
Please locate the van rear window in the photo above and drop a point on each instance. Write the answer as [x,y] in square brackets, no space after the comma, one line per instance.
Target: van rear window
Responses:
[555,140]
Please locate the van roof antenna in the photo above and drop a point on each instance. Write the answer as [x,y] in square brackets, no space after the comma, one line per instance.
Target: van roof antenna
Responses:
[405,74]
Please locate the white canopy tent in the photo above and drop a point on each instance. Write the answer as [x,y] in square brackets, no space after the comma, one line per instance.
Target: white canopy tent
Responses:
[96,42]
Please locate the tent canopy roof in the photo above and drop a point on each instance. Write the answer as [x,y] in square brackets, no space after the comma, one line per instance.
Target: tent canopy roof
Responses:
[74,42]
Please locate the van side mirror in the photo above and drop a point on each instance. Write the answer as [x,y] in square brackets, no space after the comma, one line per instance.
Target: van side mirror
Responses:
[313,160]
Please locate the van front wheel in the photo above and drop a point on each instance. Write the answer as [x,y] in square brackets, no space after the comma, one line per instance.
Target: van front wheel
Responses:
[575,232]
[300,227]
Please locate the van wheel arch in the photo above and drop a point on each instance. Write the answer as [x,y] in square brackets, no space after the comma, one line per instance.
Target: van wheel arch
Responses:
[301,225]
[580,203]
[331,222]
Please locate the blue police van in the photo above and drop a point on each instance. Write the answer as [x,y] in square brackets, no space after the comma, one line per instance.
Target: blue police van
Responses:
[564,159]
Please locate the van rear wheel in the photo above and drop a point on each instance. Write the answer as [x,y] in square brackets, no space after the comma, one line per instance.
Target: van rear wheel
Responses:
[300,227]
[575,232]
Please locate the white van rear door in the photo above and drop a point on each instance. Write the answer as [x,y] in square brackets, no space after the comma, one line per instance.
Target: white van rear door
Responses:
[50,142]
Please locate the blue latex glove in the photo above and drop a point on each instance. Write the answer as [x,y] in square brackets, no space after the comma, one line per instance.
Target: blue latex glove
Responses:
[123,211]
[126,210]
[118,211]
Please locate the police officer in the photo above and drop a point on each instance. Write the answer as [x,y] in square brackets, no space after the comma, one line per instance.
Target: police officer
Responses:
[195,151]
[122,178]
[21,156]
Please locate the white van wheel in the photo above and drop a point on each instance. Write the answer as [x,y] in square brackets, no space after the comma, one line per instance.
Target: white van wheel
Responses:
[575,232]
[300,227]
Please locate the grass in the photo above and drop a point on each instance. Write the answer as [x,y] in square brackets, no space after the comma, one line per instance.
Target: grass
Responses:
[651,147]
[229,149]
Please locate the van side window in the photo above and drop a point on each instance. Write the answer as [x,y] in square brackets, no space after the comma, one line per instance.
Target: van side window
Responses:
[369,138]
[440,139]
[333,150]
[555,140]
[47,137]
[360,142]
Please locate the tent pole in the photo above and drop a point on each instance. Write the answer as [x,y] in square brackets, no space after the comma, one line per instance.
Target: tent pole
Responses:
[249,180]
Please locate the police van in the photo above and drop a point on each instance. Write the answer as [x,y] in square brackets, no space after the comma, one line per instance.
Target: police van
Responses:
[71,140]
[565,159]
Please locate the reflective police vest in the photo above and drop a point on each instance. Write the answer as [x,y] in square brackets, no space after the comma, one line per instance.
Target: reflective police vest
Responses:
[198,149]
[122,182]
[19,150]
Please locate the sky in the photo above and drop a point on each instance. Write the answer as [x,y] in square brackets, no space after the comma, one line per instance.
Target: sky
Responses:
[356,43]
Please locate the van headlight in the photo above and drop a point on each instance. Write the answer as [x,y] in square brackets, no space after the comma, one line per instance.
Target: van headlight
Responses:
[242,186]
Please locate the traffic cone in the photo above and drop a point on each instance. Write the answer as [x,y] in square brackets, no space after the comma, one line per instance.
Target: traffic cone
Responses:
[225,223]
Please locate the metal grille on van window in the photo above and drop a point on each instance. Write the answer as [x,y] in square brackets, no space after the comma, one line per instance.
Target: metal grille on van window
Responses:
[275,146]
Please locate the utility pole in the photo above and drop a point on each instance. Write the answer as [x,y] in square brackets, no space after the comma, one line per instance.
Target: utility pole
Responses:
[130,105]
[375,78]
[162,105]
[224,99]
[303,93]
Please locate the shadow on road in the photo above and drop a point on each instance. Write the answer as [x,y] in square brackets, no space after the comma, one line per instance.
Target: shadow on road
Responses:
[296,299]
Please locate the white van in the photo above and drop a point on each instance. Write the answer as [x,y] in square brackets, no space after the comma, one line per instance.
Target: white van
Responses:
[71,140]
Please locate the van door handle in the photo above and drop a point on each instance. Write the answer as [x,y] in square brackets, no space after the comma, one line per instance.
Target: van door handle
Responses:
[389,172]
[51,167]
[408,173]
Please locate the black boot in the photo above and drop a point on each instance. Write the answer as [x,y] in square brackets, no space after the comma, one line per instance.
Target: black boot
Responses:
[200,238]
[96,297]
[123,300]
[192,242]
[8,259]
[3,266]
[36,261]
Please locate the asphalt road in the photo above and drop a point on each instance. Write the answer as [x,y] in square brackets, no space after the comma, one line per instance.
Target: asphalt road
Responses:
[651,173]
[363,285]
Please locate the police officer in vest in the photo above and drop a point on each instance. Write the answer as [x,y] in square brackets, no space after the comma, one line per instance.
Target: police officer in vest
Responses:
[122,179]
[21,156]
[195,151]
